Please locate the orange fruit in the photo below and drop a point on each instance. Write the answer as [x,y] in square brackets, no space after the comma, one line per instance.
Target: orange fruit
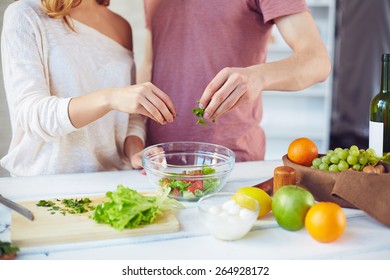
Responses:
[302,151]
[325,221]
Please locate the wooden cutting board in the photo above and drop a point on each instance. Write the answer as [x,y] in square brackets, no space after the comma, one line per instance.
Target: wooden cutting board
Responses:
[49,229]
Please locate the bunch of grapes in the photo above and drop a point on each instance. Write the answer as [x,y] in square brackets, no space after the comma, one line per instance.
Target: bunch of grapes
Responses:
[340,159]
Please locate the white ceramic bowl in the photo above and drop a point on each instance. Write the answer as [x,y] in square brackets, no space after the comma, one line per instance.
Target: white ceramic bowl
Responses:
[190,169]
[224,218]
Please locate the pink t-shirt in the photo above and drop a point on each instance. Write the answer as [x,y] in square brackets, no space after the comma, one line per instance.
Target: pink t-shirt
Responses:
[192,41]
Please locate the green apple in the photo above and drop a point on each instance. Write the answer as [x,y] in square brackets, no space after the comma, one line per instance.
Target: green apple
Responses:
[290,205]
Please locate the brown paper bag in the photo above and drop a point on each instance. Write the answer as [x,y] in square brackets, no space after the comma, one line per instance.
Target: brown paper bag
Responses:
[320,183]
[350,189]
[368,192]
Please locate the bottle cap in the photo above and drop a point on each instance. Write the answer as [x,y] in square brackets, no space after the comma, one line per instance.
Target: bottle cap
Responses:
[386,57]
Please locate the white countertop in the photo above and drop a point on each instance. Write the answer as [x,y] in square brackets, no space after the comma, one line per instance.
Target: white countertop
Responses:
[364,238]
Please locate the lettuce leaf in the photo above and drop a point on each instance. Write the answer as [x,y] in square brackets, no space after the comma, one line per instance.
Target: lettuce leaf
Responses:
[129,209]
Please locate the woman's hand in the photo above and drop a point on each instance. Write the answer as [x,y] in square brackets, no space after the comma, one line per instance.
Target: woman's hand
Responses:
[136,160]
[231,87]
[145,99]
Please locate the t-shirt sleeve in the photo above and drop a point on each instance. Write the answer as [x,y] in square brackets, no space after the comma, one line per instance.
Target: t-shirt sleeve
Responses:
[32,106]
[272,9]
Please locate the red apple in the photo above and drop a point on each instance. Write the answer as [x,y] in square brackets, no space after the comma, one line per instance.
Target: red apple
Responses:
[289,206]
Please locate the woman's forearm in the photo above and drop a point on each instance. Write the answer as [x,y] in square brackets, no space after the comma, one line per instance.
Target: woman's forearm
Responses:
[83,110]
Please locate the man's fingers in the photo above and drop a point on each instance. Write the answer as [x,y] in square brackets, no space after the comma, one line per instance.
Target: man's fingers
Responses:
[231,101]
[219,98]
[215,84]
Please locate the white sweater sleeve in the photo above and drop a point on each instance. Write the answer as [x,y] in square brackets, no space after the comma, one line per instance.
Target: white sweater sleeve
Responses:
[25,68]
[137,126]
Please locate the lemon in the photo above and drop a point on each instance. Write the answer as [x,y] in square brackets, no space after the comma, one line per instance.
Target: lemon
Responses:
[264,200]
[246,201]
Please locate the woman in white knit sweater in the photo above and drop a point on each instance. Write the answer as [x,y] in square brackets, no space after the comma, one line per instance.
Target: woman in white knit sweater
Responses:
[69,73]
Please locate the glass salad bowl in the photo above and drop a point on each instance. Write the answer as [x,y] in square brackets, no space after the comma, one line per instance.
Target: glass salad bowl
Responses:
[190,169]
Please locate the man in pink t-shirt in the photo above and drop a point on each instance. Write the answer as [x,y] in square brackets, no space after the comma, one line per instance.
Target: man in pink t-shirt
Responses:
[215,51]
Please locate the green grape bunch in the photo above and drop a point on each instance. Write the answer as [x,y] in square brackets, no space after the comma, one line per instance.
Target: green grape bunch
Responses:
[340,159]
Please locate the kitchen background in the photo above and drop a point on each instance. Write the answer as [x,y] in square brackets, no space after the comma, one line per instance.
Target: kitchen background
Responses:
[333,113]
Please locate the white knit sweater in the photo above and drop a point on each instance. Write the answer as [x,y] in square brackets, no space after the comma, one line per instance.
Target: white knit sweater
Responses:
[45,64]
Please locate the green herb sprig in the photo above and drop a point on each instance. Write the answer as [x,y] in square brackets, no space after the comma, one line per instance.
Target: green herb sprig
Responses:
[199,113]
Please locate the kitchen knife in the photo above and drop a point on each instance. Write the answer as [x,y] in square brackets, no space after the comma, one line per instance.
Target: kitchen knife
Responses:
[16,207]
[266,186]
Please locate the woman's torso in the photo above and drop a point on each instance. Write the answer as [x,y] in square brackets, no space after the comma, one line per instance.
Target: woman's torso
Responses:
[76,63]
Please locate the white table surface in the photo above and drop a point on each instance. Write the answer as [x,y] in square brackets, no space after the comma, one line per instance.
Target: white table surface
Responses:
[364,238]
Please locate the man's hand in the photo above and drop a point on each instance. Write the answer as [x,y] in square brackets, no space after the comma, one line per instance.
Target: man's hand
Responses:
[231,87]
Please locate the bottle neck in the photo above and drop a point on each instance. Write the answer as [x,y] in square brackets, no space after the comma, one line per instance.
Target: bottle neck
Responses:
[385,83]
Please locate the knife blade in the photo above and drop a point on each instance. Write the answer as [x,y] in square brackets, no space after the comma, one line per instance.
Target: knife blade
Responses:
[16,207]
[266,185]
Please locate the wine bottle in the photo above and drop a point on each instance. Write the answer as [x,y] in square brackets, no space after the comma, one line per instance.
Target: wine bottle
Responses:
[379,138]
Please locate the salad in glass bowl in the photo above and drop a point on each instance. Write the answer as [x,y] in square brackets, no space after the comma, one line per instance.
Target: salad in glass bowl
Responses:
[190,170]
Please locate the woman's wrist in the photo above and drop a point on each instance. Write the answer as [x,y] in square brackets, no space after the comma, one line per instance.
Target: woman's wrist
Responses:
[109,100]
[133,148]
[85,109]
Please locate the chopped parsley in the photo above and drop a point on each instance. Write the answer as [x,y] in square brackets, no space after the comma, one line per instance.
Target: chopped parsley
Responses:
[67,205]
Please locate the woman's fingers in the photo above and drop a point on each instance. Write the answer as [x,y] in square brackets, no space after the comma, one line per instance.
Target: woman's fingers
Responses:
[143,111]
[156,102]
[165,98]
[152,110]
[150,101]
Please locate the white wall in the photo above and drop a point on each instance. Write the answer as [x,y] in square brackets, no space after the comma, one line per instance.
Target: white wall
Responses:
[132,10]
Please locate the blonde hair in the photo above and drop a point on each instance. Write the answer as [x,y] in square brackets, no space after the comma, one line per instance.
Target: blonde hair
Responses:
[59,9]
